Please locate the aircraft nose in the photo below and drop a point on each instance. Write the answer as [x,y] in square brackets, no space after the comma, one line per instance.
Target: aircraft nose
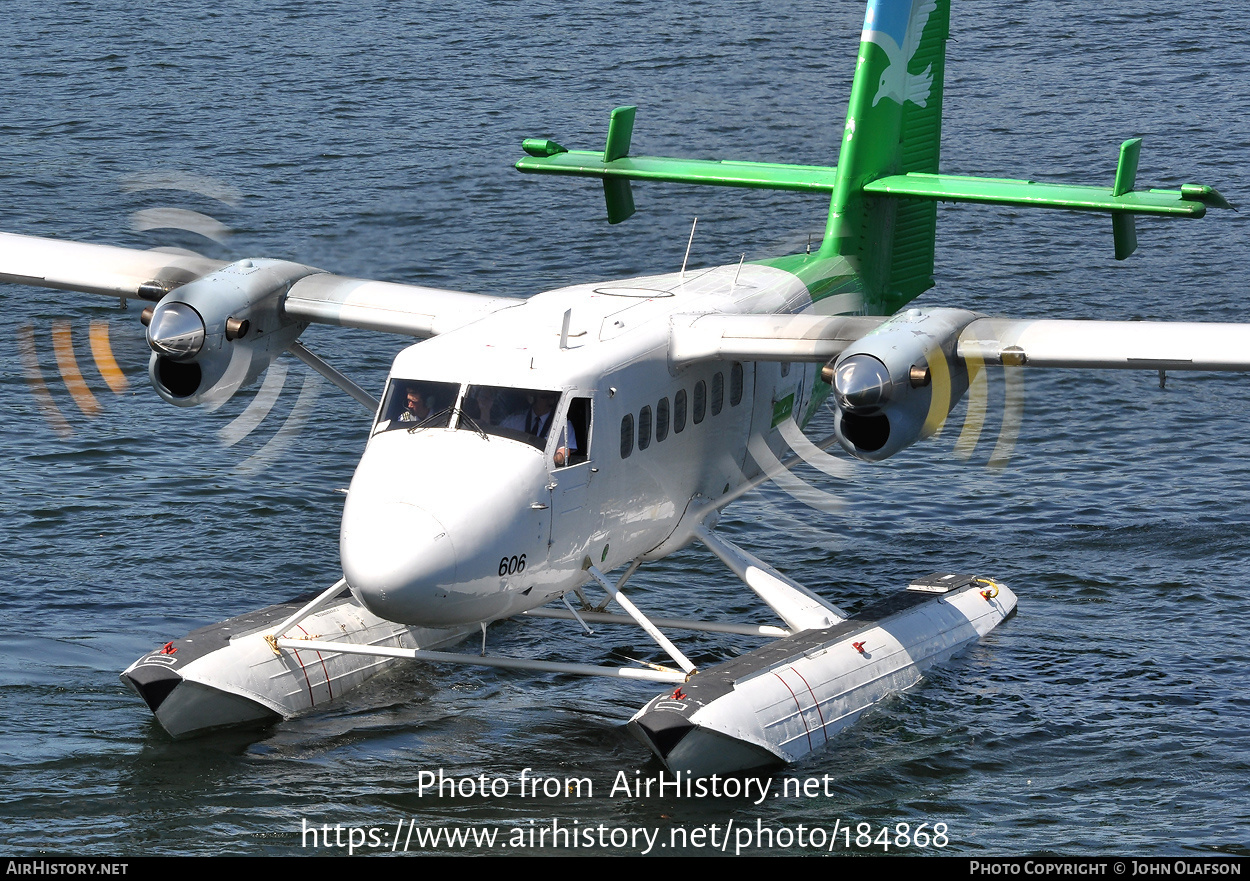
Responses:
[432,521]
[395,557]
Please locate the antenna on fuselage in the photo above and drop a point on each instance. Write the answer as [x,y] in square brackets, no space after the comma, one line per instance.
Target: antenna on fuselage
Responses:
[688,244]
[741,260]
[564,330]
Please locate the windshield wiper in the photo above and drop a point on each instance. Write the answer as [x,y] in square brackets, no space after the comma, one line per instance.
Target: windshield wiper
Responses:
[431,420]
[473,426]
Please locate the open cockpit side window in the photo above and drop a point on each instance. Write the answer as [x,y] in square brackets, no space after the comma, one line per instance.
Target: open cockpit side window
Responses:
[573,445]
[578,431]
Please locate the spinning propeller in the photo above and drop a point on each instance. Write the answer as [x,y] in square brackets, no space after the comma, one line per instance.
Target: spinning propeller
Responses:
[900,383]
[896,385]
[188,364]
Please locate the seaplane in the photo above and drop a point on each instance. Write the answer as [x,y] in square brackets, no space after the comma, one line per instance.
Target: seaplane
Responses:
[528,456]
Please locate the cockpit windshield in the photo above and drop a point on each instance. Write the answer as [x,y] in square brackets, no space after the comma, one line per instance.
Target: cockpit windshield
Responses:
[414,403]
[521,414]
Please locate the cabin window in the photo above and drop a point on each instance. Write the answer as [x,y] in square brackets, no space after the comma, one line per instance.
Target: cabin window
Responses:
[785,369]
[627,435]
[718,393]
[644,428]
[700,401]
[679,412]
[414,403]
[735,384]
[661,420]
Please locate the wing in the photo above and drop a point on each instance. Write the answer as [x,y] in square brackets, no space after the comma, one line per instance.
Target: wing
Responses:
[895,380]
[98,269]
[315,296]
[385,306]
[217,326]
[1133,345]
[802,337]
[1140,345]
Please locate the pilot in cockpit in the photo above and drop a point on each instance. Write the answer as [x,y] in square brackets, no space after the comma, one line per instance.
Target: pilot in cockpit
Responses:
[536,420]
[415,407]
[413,404]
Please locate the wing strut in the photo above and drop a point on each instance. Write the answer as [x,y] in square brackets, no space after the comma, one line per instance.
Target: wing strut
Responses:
[299,350]
[633,611]
[795,604]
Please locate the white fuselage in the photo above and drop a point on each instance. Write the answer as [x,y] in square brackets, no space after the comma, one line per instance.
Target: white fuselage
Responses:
[450,525]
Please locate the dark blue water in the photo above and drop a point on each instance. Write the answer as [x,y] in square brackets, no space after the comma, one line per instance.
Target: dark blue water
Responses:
[376,140]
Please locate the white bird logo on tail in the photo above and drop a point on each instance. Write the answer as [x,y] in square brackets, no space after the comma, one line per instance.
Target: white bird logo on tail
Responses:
[897,28]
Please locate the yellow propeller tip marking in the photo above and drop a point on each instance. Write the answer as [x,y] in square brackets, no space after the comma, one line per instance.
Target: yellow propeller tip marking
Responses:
[102,351]
[63,347]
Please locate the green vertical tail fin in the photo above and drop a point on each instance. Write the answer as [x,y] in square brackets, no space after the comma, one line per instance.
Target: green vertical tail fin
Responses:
[893,127]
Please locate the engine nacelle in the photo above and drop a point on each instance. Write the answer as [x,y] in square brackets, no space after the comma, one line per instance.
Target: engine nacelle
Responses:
[898,383]
[213,336]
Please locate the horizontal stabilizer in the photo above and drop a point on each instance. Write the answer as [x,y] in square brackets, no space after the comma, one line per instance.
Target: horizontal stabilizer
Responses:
[616,168]
[1189,201]
[724,173]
